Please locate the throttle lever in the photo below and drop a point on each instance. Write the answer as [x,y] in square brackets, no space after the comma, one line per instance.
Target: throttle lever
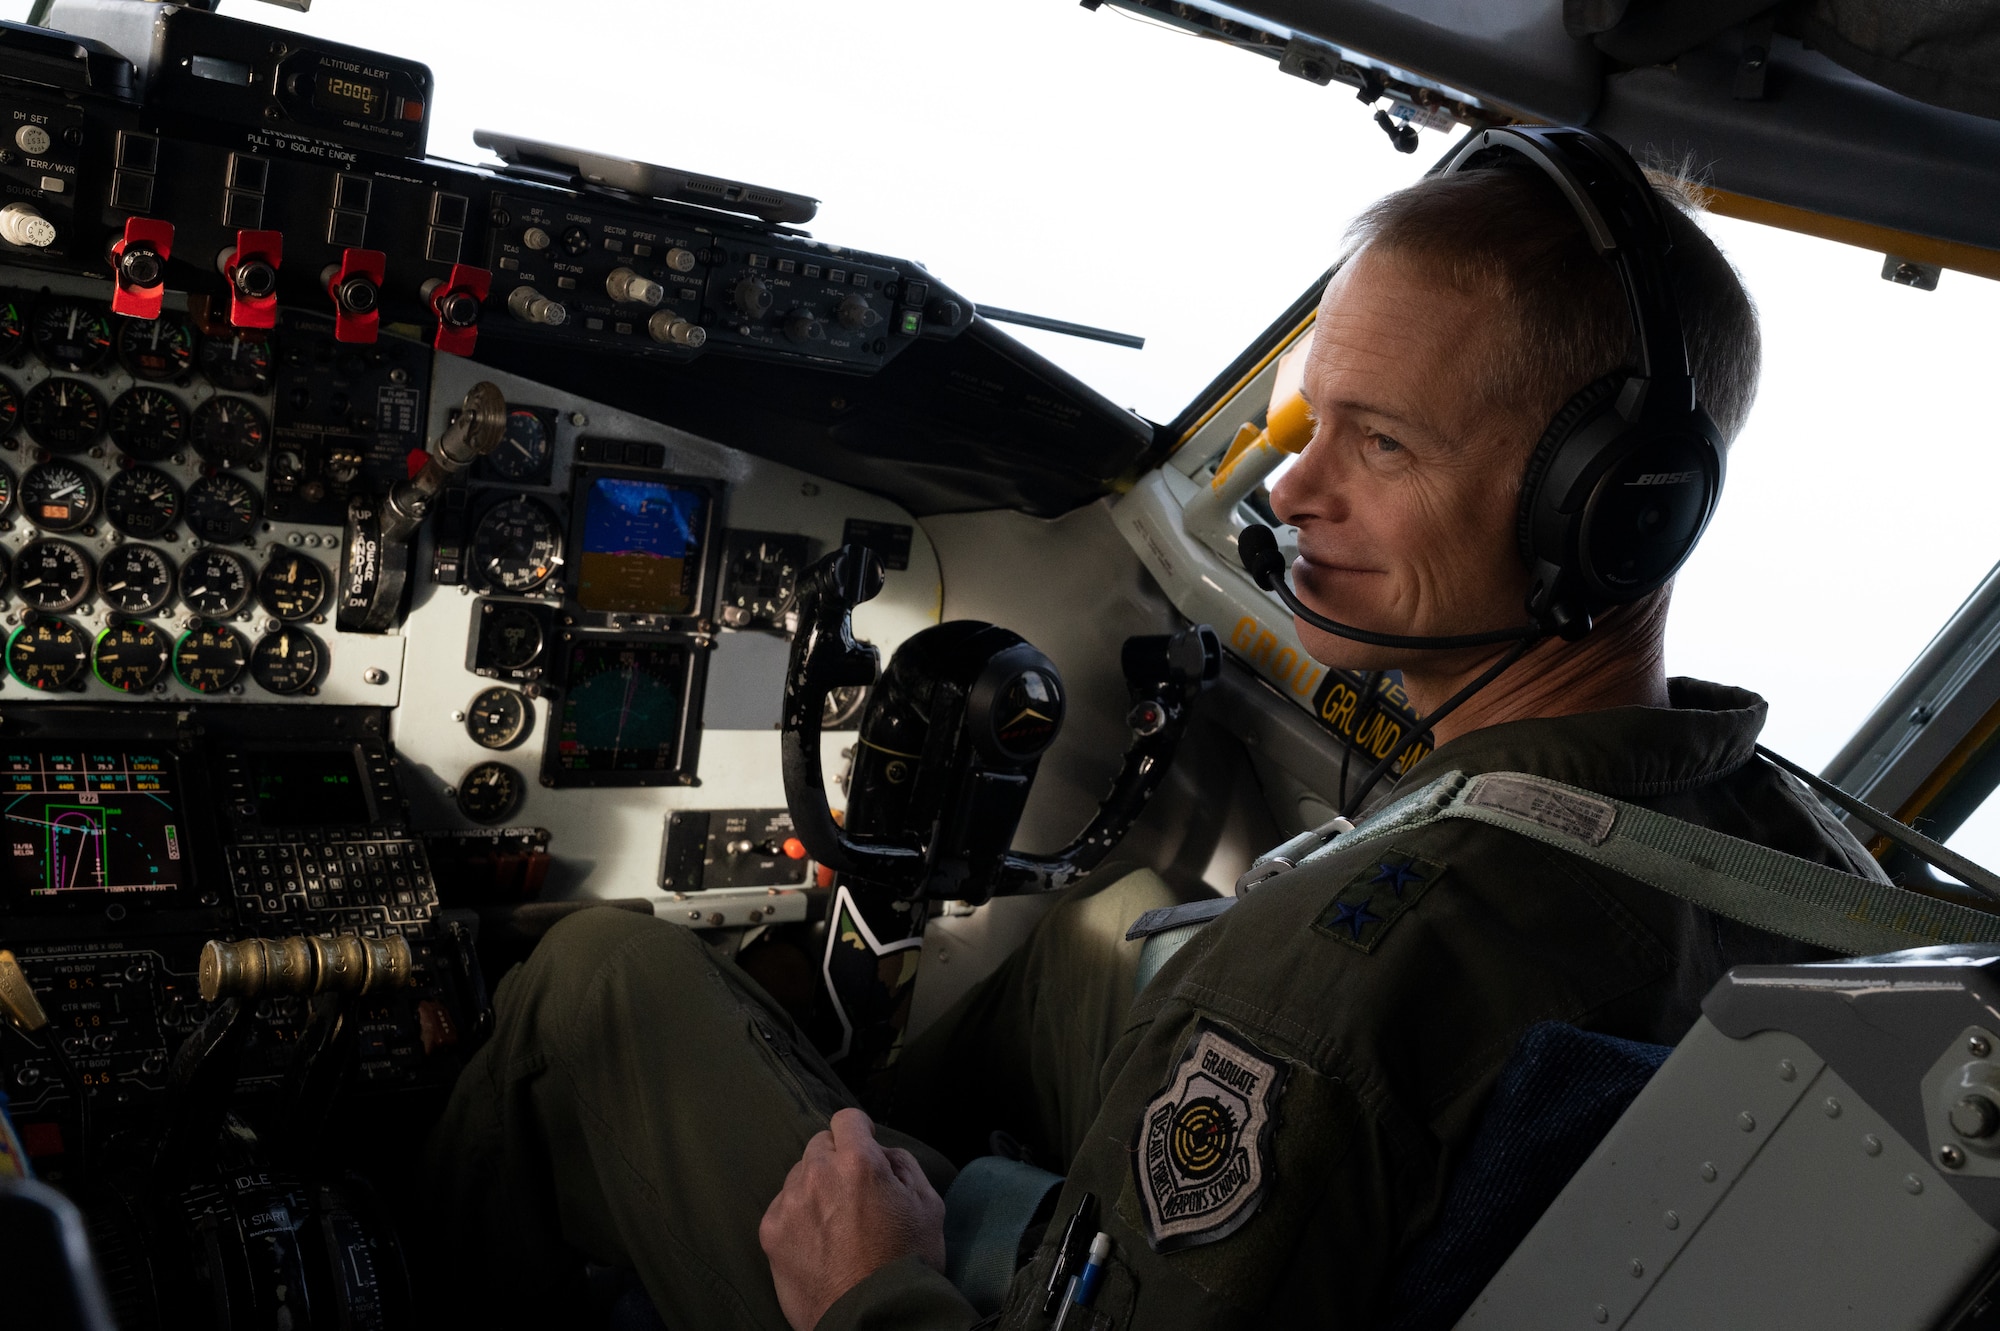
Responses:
[826,656]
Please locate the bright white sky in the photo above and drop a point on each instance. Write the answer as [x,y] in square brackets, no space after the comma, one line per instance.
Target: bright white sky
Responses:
[1094,167]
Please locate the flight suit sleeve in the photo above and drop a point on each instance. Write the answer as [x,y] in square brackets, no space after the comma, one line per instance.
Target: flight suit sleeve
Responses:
[905,1295]
[1235,1180]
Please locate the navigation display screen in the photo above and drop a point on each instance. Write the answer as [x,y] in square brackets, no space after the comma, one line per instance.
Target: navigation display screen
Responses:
[83,823]
[623,712]
[642,547]
[307,788]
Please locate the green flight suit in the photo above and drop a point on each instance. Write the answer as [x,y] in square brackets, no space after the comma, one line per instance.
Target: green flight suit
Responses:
[1268,1126]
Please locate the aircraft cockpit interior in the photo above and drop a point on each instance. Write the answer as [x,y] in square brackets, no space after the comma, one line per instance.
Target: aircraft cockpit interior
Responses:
[401,556]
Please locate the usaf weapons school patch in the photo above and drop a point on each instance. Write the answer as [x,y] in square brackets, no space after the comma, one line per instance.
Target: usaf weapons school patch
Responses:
[1363,911]
[1203,1156]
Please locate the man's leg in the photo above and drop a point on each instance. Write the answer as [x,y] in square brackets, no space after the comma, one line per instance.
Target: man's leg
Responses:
[1021,1051]
[639,1104]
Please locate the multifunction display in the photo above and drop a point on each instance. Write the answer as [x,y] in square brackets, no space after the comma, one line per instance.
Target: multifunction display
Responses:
[83,822]
[307,788]
[625,712]
[642,547]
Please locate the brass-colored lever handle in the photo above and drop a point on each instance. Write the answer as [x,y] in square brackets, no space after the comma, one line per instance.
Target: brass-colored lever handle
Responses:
[273,967]
[17,996]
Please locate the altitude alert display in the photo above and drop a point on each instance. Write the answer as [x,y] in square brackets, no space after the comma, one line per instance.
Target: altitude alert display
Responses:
[90,821]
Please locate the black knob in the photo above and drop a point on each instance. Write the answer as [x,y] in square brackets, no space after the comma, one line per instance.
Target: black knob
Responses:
[357,295]
[140,266]
[458,308]
[855,312]
[255,279]
[802,327]
[753,297]
[1975,1116]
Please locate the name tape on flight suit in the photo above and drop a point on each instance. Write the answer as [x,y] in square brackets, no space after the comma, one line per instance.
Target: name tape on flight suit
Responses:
[1204,1142]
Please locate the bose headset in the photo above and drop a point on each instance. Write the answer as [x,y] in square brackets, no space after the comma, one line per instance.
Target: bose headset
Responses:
[1626,476]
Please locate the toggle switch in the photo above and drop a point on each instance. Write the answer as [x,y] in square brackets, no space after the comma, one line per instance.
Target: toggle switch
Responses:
[455,300]
[355,284]
[252,271]
[139,267]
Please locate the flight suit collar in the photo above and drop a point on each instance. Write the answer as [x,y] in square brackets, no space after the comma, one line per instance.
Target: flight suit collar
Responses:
[1707,732]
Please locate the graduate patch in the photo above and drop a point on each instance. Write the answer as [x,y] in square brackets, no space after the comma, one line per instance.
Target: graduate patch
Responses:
[1203,1156]
[1363,911]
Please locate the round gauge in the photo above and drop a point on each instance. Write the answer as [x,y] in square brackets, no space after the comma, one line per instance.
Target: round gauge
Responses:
[63,415]
[211,658]
[223,508]
[159,349]
[510,637]
[6,566]
[58,496]
[522,455]
[52,575]
[10,408]
[148,425]
[72,334]
[498,718]
[132,656]
[6,487]
[13,326]
[292,587]
[843,706]
[239,362]
[229,431]
[49,654]
[142,502]
[285,662]
[490,793]
[135,579]
[516,544]
[215,583]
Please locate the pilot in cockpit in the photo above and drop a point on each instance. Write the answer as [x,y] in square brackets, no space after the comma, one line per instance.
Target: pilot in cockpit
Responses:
[1270,1123]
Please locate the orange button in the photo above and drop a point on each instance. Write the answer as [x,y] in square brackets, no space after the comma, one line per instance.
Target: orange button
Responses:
[794,848]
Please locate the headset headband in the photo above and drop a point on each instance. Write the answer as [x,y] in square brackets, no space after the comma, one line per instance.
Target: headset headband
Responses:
[1624,219]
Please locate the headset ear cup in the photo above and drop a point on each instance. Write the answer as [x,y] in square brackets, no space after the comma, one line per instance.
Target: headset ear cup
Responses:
[1588,401]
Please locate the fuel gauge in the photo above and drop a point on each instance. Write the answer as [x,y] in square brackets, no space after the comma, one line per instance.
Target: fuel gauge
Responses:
[223,508]
[63,415]
[148,425]
[135,579]
[215,583]
[142,502]
[52,575]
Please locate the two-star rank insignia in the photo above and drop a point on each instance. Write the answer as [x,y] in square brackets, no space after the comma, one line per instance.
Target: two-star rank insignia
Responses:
[1372,900]
[1203,1154]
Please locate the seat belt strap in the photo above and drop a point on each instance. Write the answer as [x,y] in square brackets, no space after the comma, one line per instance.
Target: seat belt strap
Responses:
[1740,880]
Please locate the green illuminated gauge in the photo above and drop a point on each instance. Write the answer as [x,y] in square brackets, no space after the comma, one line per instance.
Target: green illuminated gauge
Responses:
[230,431]
[292,587]
[132,656]
[223,508]
[10,408]
[286,662]
[215,583]
[135,580]
[159,349]
[49,654]
[490,793]
[52,575]
[73,334]
[142,502]
[148,424]
[498,718]
[239,362]
[58,496]
[63,415]
[210,659]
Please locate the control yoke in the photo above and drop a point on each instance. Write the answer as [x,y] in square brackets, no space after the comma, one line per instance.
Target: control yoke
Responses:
[951,740]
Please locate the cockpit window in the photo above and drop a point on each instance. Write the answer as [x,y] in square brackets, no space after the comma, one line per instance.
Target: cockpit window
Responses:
[1053,161]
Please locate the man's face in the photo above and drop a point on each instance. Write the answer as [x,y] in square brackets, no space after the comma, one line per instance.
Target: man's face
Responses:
[1405,498]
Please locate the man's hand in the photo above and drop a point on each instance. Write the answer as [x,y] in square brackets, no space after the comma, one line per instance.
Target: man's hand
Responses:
[848,1208]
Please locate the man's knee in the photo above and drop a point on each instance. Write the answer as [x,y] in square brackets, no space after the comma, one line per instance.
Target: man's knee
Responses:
[598,966]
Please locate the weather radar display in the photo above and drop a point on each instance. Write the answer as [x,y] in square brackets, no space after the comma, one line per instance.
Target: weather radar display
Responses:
[83,822]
